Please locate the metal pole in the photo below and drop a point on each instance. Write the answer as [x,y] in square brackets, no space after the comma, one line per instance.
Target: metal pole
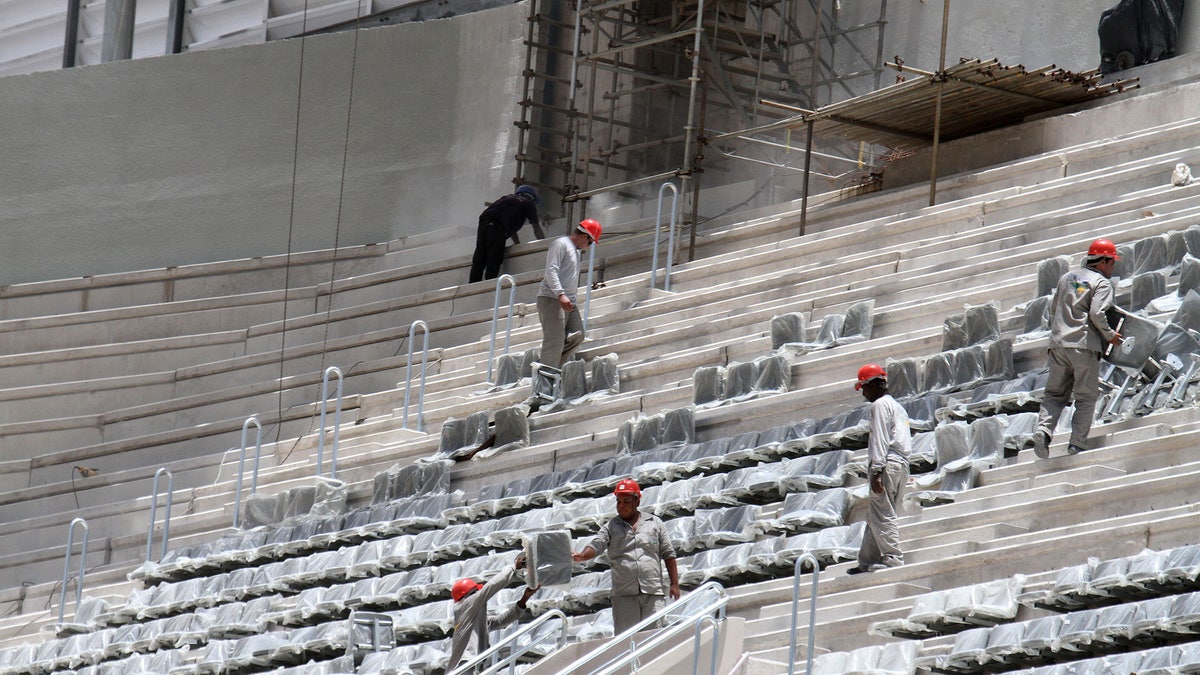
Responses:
[117,44]
[690,130]
[812,611]
[937,110]
[807,172]
[175,15]
[237,504]
[512,296]
[337,420]
[62,596]
[587,302]
[571,187]
[154,512]
[715,644]
[71,38]
[670,239]
[408,374]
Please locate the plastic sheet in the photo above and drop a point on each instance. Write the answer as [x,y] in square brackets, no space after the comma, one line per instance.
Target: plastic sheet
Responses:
[858,323]
[774,374]
[512,430]
[708,385]
[830,331]
[1049,271]
[813,510]
[739,380]
[904,377]
[679,427]
[574,379]
[998,360]
[508,369]
[262,510]
[1146,287]
[968,367]
[968,649]
[1114,624]
[1037,315]
[787,328]
[530,357]
[939,375]
[548,559]
[606,377]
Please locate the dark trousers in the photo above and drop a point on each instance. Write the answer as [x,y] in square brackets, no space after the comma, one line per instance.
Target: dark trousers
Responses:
[490,241]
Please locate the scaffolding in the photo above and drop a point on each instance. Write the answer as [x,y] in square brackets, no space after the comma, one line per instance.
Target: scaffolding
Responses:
[621,93]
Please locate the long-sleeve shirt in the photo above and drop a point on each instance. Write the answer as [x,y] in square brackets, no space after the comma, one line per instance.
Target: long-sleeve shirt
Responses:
[562,270]
[1078,311]
[635,554]
[471,618]
[511,212]
[890,436]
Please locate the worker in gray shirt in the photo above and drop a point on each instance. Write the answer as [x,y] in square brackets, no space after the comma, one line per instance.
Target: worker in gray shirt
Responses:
[562,326]
[471,616]
[638,547]
[1079,333]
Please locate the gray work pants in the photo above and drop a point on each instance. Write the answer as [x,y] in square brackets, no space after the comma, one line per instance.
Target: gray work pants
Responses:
[1077,372]
[628,610]
[881,538]
[557,327]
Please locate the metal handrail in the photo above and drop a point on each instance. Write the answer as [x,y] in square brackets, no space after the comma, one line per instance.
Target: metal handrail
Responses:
[635,650]
[408,374]
[237,503]
[154,512]
[715,644]
[512,297]
[491,653]
[670,237]
[587,302]
[812,611]
[62,596]
[337,421]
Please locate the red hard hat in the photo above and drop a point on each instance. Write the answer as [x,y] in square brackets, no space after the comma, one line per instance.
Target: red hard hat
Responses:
[464,587]
[591,228]
[628,486]
[1104,247]
[867,373]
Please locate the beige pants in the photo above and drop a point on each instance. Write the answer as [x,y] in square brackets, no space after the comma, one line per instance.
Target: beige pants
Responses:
[1074,373]
[881,538]
[628,610]
[562,332]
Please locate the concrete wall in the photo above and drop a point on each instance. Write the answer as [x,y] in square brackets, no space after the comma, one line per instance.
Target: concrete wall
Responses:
[183,159]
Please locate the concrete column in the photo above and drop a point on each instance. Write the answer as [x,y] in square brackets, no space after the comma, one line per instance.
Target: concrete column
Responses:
[118,30]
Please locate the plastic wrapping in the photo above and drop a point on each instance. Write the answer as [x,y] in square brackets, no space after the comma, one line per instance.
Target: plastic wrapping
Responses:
[904,377]
[998,360]
[1146,287]
[1049,271]
[708,385]
[1037,315]
[1150,254]
[1115,623]
[574,379]
[512,430]
[830,331]
[1189,275]
[262,509]
[508,369]
[968,367]
[858,322]
[548,558]
[774,374]
[939,375]
[606,377]
[739,380]
[813,510]
[787,328]
[679,427]
[530,357]
[1140,335]
[968,649]
[330,498]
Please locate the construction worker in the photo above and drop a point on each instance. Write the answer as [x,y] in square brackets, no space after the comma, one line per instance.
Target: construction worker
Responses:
[1079,332]
[638,547]
[498,223]
[562,327]
[471,615]
[888,448]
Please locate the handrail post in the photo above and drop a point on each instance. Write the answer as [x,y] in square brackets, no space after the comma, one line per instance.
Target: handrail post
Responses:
[154,512]
[237,503]
[587,303]
[62,596]
[716,626]
[512,297]
[408,374]
[492,654]
[812,611]
[670,238]
[71,35]
[337,421]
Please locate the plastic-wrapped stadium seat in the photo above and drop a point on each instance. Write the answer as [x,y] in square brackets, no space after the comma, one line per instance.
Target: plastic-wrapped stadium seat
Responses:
[708,385]
[904,377]
[1037,315]
[508,369]
[939,375]
[1147,286]
[998,360]
[830,331]
[529,358]
[787,328]
[548,558]
[814,510]
[858,323]
[1049,271]
[774,374]
[968,366]
[574,379]
[739,380]
[1150,254]
[512,431]
[976,325]
[606,377]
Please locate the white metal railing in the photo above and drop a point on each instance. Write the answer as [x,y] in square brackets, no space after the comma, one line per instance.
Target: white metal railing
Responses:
[492,654]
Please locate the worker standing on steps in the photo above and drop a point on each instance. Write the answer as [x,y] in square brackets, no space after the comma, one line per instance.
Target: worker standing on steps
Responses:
[638,547]
[498,223]
[471,622]
[1079,332]
[888,449]
[562,326]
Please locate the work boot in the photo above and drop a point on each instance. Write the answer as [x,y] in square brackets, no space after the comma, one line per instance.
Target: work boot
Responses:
[1041,444]
[1075,449]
